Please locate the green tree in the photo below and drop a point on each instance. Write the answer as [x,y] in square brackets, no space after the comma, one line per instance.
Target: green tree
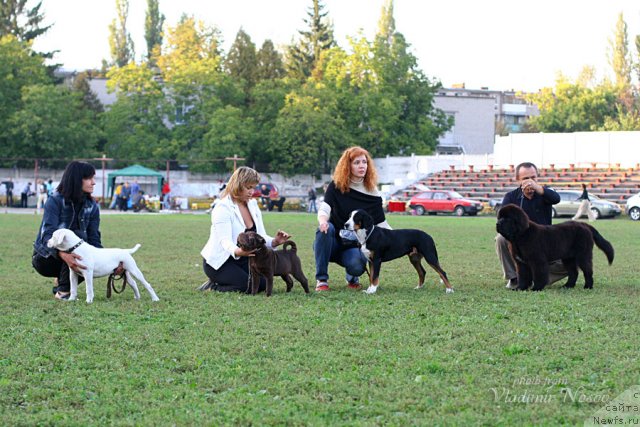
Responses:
[153,22]
[308,136]
[619,56]
[22,22]
[241,61]
[18,69]
[303,56]
[270,65]
[53,122]
[120,42]
[90,100]
[570,107]
[229,133]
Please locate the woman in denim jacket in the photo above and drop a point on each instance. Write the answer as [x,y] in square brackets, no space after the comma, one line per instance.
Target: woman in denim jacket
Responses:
[72,207]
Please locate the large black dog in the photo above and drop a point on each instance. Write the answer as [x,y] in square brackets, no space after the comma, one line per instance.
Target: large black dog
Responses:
[381,244]
[268,263]
[534,246]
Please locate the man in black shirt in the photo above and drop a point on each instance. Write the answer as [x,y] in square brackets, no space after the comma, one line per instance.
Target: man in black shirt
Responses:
[536,200]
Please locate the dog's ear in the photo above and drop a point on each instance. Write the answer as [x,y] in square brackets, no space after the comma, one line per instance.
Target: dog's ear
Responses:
[260,240]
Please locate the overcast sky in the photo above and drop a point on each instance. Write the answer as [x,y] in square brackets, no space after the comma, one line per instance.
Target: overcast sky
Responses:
[500,44]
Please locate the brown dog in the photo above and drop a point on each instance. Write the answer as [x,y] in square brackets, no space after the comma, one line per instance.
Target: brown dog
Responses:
[268,263]
[533,246]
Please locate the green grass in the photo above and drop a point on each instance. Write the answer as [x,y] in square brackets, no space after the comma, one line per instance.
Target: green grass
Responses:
[400,357]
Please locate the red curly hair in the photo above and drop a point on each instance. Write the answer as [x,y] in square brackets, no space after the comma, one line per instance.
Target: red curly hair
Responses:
[342,172]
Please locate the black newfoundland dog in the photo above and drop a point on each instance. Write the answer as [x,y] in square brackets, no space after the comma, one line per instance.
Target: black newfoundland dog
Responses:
[534,246]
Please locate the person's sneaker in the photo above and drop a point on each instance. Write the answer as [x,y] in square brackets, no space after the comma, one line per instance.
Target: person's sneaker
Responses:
[512,284]
[354,285]
[322,286]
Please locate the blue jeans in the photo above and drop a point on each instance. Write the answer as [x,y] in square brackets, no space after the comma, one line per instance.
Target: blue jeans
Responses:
[327,248]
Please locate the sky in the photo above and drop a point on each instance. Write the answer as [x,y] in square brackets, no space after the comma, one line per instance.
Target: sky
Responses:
[498,44]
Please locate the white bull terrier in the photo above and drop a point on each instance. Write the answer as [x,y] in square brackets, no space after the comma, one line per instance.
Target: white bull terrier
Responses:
[98,262]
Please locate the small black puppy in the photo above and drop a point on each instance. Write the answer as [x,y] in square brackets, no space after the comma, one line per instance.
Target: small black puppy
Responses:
[268,263]
[380,245]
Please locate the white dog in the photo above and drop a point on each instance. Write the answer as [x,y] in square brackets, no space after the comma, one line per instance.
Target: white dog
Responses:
[98,262]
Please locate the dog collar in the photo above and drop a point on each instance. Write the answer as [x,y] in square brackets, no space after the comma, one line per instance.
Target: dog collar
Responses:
[74,246]
[369,235]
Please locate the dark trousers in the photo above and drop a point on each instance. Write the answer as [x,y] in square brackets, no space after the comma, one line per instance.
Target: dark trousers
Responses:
[232,276]
[54,267]
[123,203]
[9,199]
[23,200]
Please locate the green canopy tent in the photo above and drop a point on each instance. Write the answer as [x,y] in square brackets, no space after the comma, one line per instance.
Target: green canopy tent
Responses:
[135,170]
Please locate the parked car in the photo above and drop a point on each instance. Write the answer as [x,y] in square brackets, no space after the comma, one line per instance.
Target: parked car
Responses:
[442,201]
[569,204]
[633,207]
[273,190]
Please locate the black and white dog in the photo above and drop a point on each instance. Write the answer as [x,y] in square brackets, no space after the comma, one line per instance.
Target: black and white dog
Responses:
[380,245]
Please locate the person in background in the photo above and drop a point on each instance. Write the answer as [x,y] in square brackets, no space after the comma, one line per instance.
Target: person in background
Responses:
[115,200]
[585,206]
[312,200]
[536,200]
[166,195]
[8,184]
[225,264]
[135,190]
[354,186]
[43,193]
[264,196]
[24,195]
[125,194]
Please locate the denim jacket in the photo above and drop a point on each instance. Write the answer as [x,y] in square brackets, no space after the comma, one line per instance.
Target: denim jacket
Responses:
[59,213]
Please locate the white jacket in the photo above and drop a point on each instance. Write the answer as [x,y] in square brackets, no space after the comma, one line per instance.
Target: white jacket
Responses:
[226,225]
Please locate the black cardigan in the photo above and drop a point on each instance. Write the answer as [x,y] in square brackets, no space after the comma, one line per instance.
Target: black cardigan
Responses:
[342,204]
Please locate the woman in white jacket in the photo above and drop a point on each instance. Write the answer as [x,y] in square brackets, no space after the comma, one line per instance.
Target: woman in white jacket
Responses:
[225,264]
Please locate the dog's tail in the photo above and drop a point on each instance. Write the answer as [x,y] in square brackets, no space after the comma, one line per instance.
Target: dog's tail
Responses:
[290,244]
[134,249]
[603,244]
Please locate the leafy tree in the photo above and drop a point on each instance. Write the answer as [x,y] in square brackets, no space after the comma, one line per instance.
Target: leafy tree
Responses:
[18,69]
[18,20]
[120,42]
[303,56]
[52,123]
[153,22]
[229,133]
[90,100]
[241,61]
[308,136]
[570,107]
[619,56]
[270,65]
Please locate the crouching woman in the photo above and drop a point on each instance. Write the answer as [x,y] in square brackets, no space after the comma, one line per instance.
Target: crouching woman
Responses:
[225,264]
[71,206]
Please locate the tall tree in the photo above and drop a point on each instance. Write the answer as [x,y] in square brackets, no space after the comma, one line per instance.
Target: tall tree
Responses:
[90,100]
[270,65]
[153,23]
[619,56]
[241,61]
[120,42]
[20,21]
[303,56]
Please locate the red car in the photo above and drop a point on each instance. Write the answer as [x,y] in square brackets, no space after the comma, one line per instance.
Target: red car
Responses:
[444,201]
[273,190]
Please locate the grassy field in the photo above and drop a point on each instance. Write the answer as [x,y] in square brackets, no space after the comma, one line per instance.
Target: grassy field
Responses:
[483,355]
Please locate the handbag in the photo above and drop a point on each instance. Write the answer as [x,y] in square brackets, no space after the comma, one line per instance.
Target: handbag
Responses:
[348,239]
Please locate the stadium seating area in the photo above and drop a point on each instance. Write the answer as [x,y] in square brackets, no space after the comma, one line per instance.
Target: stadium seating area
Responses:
[613,183]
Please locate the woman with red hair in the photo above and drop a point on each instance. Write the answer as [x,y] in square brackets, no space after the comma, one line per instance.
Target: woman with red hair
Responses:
[354,186]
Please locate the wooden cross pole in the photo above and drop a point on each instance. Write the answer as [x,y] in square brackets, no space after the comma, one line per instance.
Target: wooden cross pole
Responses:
[235,159]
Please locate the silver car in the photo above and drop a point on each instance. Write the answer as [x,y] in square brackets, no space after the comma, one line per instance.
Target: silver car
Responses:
[569,204]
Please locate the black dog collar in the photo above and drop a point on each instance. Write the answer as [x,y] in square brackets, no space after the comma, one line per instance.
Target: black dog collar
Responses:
[75,246]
